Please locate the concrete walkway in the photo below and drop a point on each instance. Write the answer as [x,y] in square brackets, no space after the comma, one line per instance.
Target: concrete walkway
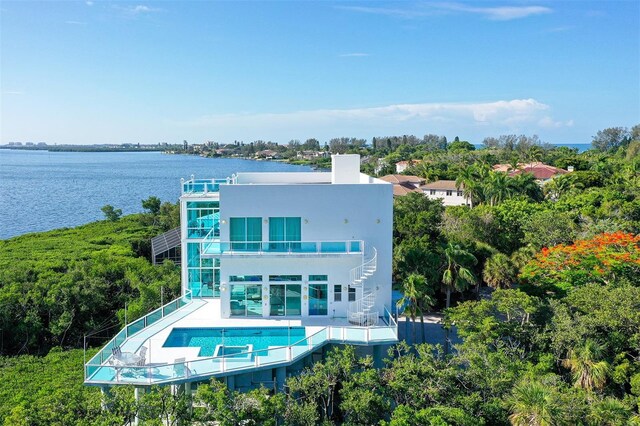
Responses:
[434,332]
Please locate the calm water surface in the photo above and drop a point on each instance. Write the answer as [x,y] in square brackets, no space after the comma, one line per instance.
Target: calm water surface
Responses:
[42,190]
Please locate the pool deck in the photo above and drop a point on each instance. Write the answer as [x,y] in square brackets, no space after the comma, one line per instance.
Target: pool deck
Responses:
[162,364]
[207,314]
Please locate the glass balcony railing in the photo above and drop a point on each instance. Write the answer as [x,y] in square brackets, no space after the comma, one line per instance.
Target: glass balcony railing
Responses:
[202,368]
[217,248]
[204,186]
[130,329]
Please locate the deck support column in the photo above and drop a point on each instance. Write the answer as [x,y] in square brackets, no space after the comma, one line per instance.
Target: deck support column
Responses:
[231,382]
[189,395]
[137,393]
[105,401]
[378,356]
[281,377]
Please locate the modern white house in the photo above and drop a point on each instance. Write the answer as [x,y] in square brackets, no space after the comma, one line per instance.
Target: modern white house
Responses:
[447,191]
[276,267]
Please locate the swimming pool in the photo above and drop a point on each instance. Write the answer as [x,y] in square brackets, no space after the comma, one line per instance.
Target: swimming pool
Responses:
[208,339]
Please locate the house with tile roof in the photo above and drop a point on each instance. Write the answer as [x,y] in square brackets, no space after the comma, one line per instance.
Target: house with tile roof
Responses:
[404,184]
[542,172]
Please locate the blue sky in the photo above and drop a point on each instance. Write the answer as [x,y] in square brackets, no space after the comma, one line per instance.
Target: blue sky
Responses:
[112,72]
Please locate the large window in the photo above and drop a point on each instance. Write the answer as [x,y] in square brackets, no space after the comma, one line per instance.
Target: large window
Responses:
[203,274]
[246,300]
[284,229]
[202,217]
[243,229]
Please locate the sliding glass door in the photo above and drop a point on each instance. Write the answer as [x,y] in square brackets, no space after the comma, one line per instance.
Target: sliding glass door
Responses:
[285,300]
[246,300]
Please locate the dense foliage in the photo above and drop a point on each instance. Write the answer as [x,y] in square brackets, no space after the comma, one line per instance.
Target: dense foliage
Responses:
[541,283]
[57,286]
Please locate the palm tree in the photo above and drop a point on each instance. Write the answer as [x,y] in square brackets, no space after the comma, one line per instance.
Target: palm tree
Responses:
[470,180]
[535,153]
[456,275]
[498,271]
[409,301]
[418,299]
[497,188]
[588,371]
[514,163]
[533,404]
[526,184]
[609,412]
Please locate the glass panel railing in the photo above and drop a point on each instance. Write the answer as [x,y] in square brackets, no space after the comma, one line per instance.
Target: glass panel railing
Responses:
[136,326]
[211,246]
[200,186]
[355,334]
[333,247]
[377,334]
[169,308]
[154,316]
[95,365]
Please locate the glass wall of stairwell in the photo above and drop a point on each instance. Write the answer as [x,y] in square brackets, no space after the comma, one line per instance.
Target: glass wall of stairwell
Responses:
[203,274]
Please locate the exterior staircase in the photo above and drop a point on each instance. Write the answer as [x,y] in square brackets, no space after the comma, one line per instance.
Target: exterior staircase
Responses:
[361,312]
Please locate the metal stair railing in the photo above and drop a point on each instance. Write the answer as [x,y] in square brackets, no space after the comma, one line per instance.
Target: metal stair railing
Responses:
[360,273]
[361,311]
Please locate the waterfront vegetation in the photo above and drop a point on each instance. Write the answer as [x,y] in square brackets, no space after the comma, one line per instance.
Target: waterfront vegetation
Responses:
[541,284]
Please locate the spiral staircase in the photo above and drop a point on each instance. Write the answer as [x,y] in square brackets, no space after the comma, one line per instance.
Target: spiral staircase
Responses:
[361,312]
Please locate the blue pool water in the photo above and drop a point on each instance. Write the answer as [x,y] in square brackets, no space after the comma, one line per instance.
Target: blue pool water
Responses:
[207,339]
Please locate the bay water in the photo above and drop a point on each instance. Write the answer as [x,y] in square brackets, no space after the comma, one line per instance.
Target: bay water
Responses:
[42,190]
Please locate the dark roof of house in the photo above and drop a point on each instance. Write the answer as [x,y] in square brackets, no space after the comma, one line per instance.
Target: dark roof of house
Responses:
[441,184]
[400,189]
[403,179]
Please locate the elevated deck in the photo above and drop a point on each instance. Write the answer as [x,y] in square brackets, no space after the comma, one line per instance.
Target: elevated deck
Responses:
[174,365]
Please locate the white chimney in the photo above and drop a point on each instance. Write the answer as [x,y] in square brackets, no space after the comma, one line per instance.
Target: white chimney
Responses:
[345,168]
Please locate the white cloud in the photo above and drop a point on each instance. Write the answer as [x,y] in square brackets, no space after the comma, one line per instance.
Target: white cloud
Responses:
[503,116]
[354,55]
[88,3]
[500,13]
[137,9]
[75,23]
[549,123]
[13,92]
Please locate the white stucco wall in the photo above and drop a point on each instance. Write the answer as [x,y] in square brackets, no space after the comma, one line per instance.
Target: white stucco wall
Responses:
[447,200]
[328,212]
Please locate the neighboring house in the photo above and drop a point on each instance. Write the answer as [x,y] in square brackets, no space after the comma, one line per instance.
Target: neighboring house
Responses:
[404,184]
[310,155]
[401,166]
[275,266]
[268,154]
[542,172]
[447,191]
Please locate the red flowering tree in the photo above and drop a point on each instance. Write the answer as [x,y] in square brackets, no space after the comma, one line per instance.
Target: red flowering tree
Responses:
[606,259]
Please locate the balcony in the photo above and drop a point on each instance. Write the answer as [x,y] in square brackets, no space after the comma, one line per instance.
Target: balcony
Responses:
[299,248]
